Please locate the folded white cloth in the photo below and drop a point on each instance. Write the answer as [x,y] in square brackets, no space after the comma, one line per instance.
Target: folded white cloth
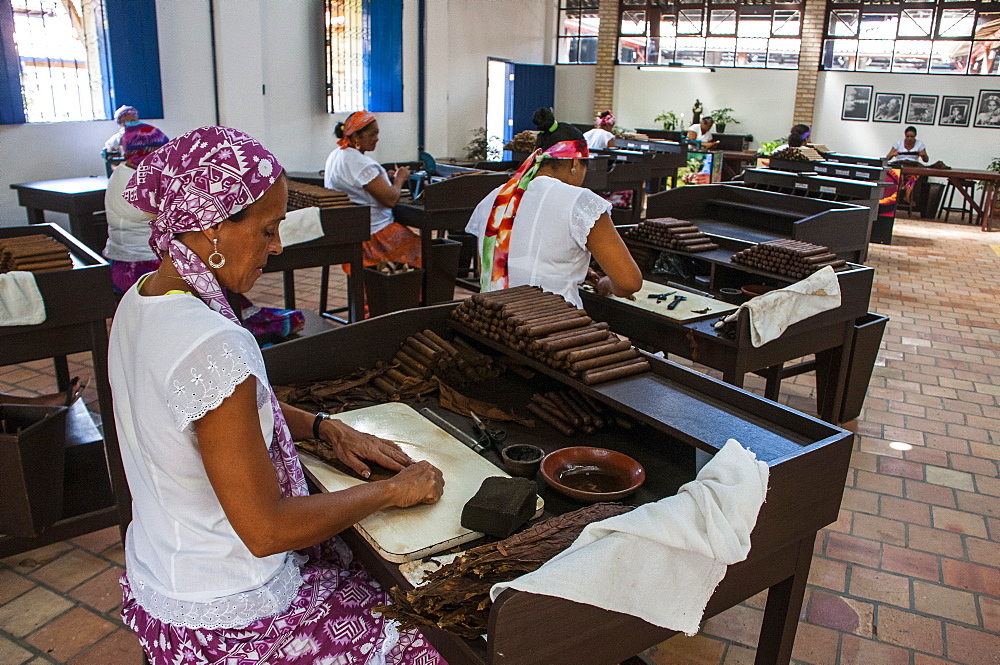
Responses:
[300,225]
[662,561]
[21,302]
[773,312]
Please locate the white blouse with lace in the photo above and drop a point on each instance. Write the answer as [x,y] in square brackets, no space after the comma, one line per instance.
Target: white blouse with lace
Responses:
[548,244]
[171,361]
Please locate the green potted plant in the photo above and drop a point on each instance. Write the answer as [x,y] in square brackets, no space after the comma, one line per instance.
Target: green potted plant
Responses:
[670,120]
[767,147]
[476,149]
[723,117]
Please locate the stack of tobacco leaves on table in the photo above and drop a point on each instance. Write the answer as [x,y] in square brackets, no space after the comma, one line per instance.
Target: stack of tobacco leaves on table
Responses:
[456,597]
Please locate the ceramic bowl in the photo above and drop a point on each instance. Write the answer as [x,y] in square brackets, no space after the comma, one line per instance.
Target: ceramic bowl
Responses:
[592,474]
[754,290]
[522,459]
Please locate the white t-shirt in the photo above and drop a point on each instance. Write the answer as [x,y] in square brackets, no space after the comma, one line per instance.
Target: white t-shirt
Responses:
[597,138]
[114,144]
[128,227]
[548,243]
[704,138]
[348,170]
[918,145]
[171,360]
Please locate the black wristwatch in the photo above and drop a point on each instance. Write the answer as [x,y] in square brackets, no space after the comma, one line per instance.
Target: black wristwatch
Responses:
[320,417]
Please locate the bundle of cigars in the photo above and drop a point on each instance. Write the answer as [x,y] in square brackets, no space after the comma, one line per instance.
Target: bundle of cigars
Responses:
[545,327]
[303,195]
[34,253]
[788,257]
[671,233]
[426,354]
[569,411]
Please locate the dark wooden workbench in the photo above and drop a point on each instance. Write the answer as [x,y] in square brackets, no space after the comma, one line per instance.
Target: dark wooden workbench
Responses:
[80,198]
[78,303]
[678,411]
[964,181]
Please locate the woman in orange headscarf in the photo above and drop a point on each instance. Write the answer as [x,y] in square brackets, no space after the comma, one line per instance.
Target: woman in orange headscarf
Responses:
[366,182]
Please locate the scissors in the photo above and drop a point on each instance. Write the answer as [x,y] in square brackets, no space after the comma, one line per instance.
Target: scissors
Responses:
[487,436]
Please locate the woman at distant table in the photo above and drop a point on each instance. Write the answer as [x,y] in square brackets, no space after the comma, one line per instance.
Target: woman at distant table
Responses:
[366,182]
[600,137]
[906,152]
[542,228]
[702,132]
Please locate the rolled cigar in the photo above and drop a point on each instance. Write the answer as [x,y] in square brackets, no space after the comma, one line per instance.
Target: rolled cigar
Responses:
[594,351]
[429,343]
[395,375]
[618,371]
[385,386]
[601,361]
[411,366]
[577,340]
[545,316]
[568,412]
[570,333]
[532,330]
[564,353]
[529,300]
[701,239]
[832,264]
[515,296]
[594,414]
[443,343]
[665,222]
[480,298]
[526,312]
[575,407]
[804,253]
[702,248]
[687,236]
[820,258]
[39,258]
[558,425]
[42,265]
[421,348]
[423,362]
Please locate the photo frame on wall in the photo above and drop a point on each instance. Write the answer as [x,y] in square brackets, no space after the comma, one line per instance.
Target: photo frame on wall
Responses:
[888,107]
[921,109]
[988,109]
[857,102]
[955,111]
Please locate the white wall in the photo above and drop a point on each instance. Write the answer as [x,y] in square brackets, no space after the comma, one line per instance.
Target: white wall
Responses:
[271,83]
[966,147]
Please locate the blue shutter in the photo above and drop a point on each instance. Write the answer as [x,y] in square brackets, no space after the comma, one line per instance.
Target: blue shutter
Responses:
[11,99]
[534,88]
[383,26]
[134,55]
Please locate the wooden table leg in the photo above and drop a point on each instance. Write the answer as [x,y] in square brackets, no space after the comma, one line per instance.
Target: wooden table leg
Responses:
[324,285]
[832,367]
[425,261]
[781,613]
[989,204]
[356,286]
[35,215]
[288,284]
[62,372]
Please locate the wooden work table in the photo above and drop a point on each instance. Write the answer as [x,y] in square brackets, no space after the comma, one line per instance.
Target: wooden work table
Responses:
[78,303]
[676,412]
[80,198]
[964,181]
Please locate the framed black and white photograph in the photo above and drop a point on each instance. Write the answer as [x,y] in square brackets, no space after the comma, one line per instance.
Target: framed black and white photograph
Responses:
[955,111]
[888,107]
[988,109]
[857,102]
[921,109]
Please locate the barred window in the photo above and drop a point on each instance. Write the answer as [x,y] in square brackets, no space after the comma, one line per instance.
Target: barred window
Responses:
[364,64]
[913,37]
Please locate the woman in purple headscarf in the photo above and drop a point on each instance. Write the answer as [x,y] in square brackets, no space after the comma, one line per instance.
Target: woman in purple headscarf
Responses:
[219,500]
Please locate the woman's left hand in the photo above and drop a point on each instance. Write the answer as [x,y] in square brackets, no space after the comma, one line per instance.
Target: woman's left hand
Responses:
[353,448]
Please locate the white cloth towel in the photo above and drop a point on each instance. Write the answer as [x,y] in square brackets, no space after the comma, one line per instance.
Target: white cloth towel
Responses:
[773,312]
[21,302]
[662,561]
[299,226]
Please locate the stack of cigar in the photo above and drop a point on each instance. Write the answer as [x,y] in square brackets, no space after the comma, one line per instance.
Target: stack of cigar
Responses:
[302,195]
[569,411]
[544,326]
[671,233]
[788,257]
[427,354]
[34,253]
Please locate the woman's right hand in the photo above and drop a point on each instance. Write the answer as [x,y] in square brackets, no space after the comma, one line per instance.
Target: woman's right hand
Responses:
[420,482]
[402,174]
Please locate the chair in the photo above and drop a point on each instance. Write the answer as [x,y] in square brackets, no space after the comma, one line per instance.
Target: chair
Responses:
[948,207]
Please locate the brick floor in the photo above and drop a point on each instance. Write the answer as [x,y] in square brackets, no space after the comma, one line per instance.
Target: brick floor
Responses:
[908,575]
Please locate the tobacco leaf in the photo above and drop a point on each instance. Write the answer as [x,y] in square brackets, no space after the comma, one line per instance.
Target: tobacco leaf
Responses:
[458,403]
[456,596]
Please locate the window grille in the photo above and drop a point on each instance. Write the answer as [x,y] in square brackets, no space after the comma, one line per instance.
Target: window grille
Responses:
[364,55]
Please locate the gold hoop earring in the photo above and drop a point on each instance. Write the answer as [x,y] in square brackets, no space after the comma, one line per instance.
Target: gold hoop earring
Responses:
[216,262]
[573,170]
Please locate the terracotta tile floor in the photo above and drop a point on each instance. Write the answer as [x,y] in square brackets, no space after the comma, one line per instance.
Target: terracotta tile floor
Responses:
[908,574]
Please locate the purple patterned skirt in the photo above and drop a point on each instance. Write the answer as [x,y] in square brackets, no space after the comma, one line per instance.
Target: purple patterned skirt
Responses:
[329,623]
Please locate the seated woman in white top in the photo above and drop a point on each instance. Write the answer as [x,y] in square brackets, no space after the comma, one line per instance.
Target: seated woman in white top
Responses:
[908,149]
[541,227]
[600,137]
[219,501]
[366,182]
[702,132]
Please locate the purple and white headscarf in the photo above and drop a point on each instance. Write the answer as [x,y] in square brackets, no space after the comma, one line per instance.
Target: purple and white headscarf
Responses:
[191,184]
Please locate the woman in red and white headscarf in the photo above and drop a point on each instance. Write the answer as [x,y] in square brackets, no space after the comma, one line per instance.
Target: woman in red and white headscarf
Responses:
[366,182]
[228,558]
[600,137]
[541,227]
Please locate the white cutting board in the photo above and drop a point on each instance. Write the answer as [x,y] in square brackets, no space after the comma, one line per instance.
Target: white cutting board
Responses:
[684,311]
[407,534]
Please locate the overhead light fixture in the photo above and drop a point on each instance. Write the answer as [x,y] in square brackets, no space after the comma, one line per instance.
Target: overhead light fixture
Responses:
[675,67]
